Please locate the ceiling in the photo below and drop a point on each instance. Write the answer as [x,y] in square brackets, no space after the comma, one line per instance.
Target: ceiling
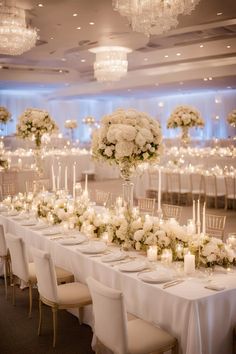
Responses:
[203,46]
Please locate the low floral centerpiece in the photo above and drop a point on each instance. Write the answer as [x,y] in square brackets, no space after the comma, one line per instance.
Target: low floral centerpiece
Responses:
[34,123]
[185,117]
[231,119]
[127,138]
[5,115]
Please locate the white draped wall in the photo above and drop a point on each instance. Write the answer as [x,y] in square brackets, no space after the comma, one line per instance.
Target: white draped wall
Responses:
[211,105]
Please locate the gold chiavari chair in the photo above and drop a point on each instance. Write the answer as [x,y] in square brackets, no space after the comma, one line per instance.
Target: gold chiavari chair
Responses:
[146,205]
[9,181]
[215,225]
[172,211]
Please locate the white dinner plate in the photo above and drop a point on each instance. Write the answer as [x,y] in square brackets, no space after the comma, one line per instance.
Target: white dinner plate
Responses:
[51,232]
[73,240]
[29,223]
[10,213]
[133,266]
[40,227]
[116,256]
[93,247]
[156,277]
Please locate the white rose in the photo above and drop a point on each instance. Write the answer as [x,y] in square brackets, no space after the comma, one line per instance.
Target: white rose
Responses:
[124,148]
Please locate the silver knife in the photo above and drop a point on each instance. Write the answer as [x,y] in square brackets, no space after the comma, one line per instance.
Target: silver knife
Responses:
[172,283]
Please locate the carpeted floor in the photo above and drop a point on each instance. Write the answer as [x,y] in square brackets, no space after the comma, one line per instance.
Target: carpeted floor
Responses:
[18,333]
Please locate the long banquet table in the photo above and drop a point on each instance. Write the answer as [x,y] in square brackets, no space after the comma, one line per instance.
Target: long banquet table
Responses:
[201,319]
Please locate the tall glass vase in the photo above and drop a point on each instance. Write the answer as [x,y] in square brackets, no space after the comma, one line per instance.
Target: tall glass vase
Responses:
[126,172]
[38,156]
[185,139]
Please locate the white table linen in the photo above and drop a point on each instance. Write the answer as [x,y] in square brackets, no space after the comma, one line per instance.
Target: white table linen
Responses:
[201,319]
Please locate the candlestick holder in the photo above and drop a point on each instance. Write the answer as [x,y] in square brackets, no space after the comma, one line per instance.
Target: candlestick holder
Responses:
[159,213]
[198,227]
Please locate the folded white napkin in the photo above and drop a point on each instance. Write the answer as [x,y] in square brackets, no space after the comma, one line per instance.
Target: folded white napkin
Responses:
[215,286]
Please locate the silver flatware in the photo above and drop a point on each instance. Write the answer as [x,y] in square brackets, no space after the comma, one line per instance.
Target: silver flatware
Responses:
[172,283]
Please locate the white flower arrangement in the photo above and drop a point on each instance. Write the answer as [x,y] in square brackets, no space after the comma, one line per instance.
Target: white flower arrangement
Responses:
[70,124]
[92,223]
[211,251]
[33,123]
[127,136]
[185,116]
[5,115]
[19,202]
[232,118]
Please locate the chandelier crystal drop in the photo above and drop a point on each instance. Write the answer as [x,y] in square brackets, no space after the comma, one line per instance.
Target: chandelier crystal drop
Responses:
[154,16]
[15,37]
[111,63]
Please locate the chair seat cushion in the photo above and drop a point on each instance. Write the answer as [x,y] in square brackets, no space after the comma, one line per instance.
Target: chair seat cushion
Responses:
[73,293]
[145,338]
[63,275]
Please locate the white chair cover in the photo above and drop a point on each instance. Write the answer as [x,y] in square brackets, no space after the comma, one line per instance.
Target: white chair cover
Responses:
[110,316]
[45,273]
[19,260]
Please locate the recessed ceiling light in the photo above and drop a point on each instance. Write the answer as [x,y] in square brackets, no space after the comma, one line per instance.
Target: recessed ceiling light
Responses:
[83,60]
[75,15]
[210,78]
[160,104]
[228,46]
[60,71]
[40,5]
[166,56]
[178,54]
[91,23]
[201,45]
[63,59]
[78,27]
[217,117]
[51,37]
[181,83]
[219,13]
[205,79]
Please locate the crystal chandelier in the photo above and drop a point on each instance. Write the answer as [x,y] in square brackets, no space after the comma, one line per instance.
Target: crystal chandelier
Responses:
[153,16]
[111,63]
[15,37]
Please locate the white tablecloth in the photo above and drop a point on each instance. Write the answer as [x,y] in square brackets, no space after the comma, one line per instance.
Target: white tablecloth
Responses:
[201,319]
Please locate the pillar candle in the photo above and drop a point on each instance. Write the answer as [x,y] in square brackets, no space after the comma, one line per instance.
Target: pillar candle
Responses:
[189,263]
[66,184]
[152,253]
[159,189]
